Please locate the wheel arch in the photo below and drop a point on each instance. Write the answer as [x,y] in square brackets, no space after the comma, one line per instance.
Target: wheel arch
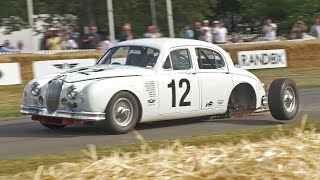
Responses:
[245,91]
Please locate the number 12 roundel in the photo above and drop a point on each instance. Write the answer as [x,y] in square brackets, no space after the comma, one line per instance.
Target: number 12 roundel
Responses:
[182,102]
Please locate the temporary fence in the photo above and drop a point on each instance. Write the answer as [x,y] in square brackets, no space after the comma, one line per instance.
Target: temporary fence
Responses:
[49,51]
[258,39]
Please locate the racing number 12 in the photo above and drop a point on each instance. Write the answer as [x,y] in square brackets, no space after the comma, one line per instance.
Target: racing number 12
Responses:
[172,85]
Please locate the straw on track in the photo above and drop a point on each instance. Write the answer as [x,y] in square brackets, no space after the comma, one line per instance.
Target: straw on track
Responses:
[283,157]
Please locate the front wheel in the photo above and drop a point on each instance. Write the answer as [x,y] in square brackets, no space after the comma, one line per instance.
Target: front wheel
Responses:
[122,114]
[283,99]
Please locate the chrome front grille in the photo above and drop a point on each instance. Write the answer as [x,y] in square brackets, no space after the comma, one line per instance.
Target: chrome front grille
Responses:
[53,95]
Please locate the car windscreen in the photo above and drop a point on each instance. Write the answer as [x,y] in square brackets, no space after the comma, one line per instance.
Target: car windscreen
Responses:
[131,56]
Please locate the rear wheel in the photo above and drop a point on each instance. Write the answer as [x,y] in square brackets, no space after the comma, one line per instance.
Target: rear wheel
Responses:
[122,114]
[283,99]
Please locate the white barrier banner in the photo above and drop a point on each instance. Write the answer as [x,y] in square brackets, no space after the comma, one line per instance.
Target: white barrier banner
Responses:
[261,59]
[41,68]
[10,73]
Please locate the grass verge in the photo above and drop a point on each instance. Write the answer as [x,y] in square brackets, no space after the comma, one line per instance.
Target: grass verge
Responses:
[304,77]
[10,114]
[11,99]
[14,166]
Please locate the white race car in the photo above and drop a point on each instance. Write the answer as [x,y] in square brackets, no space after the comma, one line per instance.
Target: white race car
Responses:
[147,80]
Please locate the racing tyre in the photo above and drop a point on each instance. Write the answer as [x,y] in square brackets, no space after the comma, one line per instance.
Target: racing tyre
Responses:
[122,114]
[283,99]
[53,126]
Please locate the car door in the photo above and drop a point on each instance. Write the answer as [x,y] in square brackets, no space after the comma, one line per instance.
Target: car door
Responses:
[215,80]
[178,83]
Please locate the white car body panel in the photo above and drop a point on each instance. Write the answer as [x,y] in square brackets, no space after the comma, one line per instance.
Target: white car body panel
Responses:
[98,84]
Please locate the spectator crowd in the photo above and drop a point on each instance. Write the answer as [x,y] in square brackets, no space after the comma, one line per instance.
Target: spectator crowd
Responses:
[217,33]
[67,38]
[7,47]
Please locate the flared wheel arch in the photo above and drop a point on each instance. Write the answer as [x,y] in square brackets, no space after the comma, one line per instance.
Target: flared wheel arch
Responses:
[243,92]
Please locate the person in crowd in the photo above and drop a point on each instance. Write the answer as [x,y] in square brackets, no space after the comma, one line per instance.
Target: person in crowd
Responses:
[99,46]
[152,32]
[315,28]
[207,34]
[6,47]
[156,32]
[106,44]
[298,29]
[20,47]
[45,37]
[221,35]
[206,24]
[148,33]
[74,33]
[68,43]
[202,36]
[197,29]
[92,39]
[235,38]
[214,31]
[269,30]
[126,33]
[187,33]
[53,43]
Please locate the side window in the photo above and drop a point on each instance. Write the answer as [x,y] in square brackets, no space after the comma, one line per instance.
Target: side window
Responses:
[219,60]
[167,64]
[180,59]
[209,59]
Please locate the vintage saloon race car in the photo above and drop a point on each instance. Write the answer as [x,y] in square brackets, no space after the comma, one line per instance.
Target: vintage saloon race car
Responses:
[151,80]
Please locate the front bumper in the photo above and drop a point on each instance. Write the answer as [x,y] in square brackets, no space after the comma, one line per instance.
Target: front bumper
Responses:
[42,111]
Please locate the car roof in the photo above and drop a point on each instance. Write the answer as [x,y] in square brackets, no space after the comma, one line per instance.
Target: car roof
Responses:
[164,43]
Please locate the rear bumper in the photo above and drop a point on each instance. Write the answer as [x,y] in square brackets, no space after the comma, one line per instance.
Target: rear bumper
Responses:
[66,114]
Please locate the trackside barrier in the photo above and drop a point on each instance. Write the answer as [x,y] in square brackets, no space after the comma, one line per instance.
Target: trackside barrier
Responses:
[10,73]
[62,51]
[49,51]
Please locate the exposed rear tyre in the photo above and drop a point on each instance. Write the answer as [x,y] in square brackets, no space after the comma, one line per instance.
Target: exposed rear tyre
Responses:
[283,99]
[241,102]
[53,126]
[122,114]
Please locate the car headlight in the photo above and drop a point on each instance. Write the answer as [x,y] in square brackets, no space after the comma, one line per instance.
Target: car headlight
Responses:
[35,89]
[72,92]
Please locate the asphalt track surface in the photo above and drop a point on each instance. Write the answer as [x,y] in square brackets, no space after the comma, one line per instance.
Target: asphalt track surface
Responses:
[23,137]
